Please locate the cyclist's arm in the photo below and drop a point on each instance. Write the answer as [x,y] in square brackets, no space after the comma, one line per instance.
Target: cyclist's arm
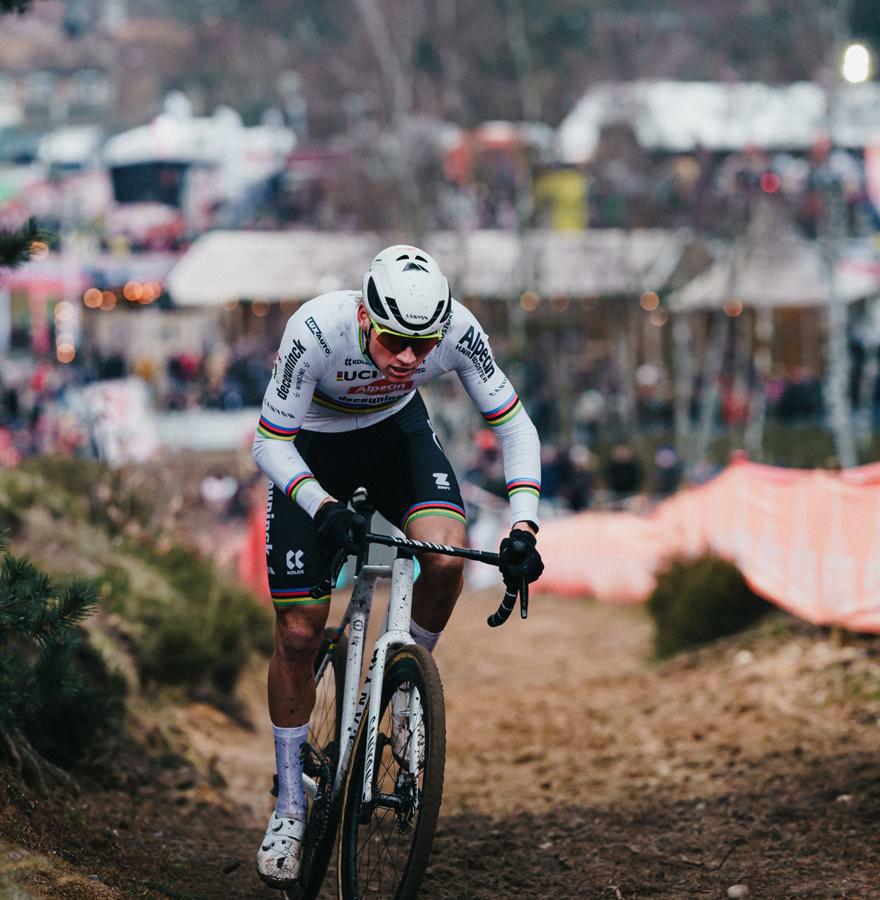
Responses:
[286,401]
[495,397]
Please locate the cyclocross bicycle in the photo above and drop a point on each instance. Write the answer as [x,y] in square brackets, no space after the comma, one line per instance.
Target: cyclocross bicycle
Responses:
[374,758]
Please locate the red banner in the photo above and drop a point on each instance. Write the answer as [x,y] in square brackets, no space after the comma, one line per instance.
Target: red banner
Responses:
[808,541]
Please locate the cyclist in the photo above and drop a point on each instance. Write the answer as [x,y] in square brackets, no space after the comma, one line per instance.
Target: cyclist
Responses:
[342,410]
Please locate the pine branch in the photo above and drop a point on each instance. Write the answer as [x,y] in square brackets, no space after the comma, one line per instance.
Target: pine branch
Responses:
[23,593]
[75,603]
[15,246]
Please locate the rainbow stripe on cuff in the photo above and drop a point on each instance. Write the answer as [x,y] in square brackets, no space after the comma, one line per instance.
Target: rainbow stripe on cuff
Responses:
[523,486]
[296,597]
[278,432]
[433,508]
[503,413]
[293,486]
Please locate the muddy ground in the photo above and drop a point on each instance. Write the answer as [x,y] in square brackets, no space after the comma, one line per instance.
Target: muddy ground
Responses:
[576,768]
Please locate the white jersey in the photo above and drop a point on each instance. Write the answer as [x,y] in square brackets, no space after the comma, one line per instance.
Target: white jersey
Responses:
[324,380]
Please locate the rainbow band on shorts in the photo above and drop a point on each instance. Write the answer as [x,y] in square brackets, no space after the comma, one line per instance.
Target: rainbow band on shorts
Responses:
[503,413]
[278,432]
[296,597]
[293,486]
[524,486]
[433,508]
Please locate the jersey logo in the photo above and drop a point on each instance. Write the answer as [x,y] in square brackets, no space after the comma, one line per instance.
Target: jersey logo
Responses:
[361,374]
[294,562]
[380,387]
[472,345]
[296,351]
[312,325]
[442,479]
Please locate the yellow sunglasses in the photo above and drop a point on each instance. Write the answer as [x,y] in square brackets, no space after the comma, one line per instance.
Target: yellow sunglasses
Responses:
[396,342]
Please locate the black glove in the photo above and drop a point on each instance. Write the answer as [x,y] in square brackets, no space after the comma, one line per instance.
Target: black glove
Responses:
[519,558]
[339,528]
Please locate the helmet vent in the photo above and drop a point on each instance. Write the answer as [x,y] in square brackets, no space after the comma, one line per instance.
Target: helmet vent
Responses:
[411,266]
[399,258]
[373,300]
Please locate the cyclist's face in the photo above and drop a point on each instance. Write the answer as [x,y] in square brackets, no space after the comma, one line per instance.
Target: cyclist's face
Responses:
[397,358]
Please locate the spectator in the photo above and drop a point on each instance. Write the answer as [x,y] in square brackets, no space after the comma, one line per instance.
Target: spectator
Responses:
[623,474]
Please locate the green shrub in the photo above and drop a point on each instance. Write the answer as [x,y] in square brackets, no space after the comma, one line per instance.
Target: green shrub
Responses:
[203,635]
[191,625]
[56,694]
[699,600]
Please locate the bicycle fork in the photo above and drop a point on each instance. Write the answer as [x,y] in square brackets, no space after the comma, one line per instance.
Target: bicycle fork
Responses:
[396,634]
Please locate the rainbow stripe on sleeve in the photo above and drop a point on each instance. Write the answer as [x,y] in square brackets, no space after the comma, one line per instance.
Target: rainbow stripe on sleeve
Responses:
[277,432]
[523,486]
[295,483]
[503,413]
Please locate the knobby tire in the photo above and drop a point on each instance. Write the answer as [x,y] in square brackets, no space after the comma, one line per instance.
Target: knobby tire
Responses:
[376,858]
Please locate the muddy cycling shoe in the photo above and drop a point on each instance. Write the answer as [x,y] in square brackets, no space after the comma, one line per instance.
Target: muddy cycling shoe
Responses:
[280,854]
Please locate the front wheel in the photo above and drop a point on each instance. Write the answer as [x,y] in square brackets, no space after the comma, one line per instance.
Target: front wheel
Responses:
[384,845]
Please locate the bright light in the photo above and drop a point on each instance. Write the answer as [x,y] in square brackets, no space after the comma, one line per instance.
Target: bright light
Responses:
[529,301]
[649,301]
[770,182]
[732,308]
[260,309]
[659,318]
[856,64]
[92,298]
[63,310]
[65,353]
[559,303]
[132,291]
[108,300]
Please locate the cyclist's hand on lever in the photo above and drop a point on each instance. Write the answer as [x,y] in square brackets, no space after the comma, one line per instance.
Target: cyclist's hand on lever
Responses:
[338,532]
[339,528]
[520,564]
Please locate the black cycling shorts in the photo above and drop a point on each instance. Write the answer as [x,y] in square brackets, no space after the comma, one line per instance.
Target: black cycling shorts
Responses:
[398,460]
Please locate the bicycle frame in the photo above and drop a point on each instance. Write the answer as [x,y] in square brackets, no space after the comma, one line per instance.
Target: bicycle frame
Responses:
[356,698]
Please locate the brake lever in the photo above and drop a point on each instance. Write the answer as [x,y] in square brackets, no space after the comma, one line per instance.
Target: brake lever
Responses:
[524,599]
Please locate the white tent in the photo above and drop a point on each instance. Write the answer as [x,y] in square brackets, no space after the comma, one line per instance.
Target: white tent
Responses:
[677,116]
[772,266]
[274,266]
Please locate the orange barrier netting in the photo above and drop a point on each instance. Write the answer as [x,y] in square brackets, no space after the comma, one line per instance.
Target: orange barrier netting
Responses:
[809,541]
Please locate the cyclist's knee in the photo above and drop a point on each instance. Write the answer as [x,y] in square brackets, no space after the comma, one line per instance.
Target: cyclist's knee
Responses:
[297,637]
[444,571]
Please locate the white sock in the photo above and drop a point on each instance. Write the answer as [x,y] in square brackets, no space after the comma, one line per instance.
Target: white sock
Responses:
[423,637]
[291,802]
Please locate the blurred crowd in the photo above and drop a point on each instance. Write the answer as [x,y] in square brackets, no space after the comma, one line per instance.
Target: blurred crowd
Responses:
[623,186]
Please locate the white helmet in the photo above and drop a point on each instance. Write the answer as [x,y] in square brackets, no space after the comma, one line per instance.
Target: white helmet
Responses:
[406,293]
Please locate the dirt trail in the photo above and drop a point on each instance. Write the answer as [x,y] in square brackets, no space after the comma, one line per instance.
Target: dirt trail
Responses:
[575,769]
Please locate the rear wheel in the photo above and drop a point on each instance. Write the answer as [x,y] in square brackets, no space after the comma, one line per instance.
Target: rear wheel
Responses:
[384,845]
[320,756]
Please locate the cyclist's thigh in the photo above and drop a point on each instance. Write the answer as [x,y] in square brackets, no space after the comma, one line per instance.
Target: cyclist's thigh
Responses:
[416,481]
[293,562]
